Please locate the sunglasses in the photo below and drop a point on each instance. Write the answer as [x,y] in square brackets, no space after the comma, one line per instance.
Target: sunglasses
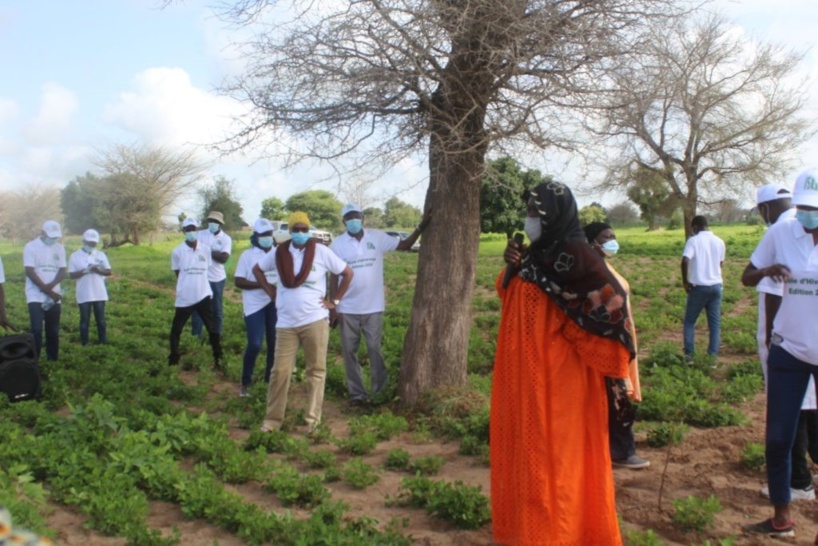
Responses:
[300,230]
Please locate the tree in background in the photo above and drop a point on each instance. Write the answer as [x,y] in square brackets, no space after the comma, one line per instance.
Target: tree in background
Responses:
[156,177]
[501,195]
[706,110]
[374,217]
[622,214]
[398,214]
[364,85]
[77,203]
[321,206]
[648,191]
[272,208]
[221,196]
[590,214]
[23,212]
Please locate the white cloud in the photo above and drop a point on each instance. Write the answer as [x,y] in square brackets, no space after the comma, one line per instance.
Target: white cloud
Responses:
[57,109]
[9,110]
[165,108]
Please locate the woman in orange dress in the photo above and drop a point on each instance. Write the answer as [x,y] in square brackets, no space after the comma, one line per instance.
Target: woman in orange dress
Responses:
[563,329]
[602,238]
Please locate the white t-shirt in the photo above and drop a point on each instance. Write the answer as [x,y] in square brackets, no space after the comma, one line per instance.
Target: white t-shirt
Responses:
[255,299]
[2,272]
[299,306]
[46,261]
[91,286]
[769,286]
[365,257]
[192,285]
[705,252]
[220,242]
[797,319]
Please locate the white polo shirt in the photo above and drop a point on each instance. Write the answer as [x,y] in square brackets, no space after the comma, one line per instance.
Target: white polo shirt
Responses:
[705,253]
[91,286]
[192,285]
[300,306]
[255,299]
[797,319]
[365,257]
[217,243]
[46,261]
[2,272]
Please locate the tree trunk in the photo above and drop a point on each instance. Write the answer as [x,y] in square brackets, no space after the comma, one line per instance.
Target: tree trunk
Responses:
[136,236]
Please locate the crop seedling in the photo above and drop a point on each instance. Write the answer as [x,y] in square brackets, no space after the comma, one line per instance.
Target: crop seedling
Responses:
[666,433]
[358,474]
[752,456]
[397,459]
[695,514]
[426,466]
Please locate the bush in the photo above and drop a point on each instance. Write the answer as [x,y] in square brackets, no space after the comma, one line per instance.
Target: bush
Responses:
[695,514]
[358,474]
[752,456]
[427,466]
[666,433]
[397,459]
[462,505]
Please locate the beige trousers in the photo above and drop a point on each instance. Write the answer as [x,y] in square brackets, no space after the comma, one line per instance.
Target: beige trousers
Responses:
[314,338]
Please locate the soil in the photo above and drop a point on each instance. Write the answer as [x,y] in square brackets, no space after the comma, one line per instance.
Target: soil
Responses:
[707,462]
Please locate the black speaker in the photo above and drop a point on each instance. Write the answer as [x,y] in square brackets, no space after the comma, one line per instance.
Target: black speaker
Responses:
[19,371]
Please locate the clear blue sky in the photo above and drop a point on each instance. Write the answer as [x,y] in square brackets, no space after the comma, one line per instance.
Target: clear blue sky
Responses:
[80,73]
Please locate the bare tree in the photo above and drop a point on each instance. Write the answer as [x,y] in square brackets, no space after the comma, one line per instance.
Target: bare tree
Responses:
[705,109]
[23,212]
[164,174]
[374,81]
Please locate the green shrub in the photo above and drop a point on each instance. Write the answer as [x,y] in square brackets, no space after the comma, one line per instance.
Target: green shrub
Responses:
[397,459]
[463,505]
[360,443]
[642,538]
[695,514]
[427,466]
[358,474]
[666,433]
[320,459]
[752,456]
[294,488]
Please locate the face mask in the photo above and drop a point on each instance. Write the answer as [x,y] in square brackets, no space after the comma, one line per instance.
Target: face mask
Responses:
[610,248]
[49,241]
[265,242]
[808,219]
[301,238]
[191,236]
[354,226]
[213,227]
[533,228]
[88,248]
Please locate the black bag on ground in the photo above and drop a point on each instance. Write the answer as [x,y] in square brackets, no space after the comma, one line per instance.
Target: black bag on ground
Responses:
[19,371]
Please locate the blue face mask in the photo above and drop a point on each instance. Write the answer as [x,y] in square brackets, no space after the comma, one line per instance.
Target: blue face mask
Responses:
[191,236]
[808,219]
[354,226]
[49,241]
[610,248]
[213,227]
[265,242]
[88,248]
[301,238]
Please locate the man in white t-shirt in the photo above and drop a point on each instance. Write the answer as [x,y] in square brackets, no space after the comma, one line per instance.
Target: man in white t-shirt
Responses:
[775,205]
[44,263]
[361,310]
[190,262]
[301,265]
[788,253]
[4,321]
[702,259]
[221,245]
[89,266]
[259,308]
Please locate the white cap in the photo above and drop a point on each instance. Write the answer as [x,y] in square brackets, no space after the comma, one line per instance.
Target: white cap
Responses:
[771,192]
[189,222]
[350,207]
[52,228]
[91,235]
[263,225]
[806,189]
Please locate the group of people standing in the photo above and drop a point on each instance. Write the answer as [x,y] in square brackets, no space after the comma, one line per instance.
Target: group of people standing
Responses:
[46,267]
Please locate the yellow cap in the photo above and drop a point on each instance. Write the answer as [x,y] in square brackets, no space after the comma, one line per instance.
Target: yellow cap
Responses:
[298,217]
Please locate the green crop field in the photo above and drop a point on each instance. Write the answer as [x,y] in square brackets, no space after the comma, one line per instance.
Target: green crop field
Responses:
[124,446]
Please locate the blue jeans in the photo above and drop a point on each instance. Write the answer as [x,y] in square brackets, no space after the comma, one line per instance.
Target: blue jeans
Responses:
[787,380]
[218,313]
[85,320]
[51,318]
[259,324]
[709,299]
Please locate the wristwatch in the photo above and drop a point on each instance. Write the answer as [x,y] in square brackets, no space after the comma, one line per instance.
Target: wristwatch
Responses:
[336,302]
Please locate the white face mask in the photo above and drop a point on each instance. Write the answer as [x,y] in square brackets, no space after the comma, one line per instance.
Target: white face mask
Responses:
[533,228]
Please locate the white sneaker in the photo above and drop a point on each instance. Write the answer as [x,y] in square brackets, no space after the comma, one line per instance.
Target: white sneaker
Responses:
[243,392]
[795,494]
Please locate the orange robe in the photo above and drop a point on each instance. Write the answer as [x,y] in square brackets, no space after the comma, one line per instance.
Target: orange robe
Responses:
[551,478]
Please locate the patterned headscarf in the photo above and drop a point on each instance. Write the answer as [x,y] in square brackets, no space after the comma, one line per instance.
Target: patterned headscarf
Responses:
[566,268]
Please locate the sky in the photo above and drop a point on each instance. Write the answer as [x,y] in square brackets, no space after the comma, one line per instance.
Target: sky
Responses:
[79,75]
